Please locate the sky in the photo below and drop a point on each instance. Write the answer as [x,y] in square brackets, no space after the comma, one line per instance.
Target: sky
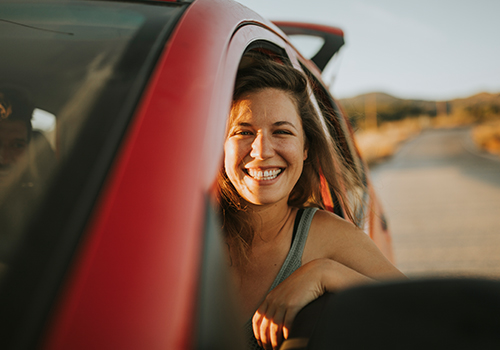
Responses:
[418,49]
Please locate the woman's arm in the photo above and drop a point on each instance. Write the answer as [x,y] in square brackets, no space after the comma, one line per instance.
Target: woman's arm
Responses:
[335,238]
[337,256]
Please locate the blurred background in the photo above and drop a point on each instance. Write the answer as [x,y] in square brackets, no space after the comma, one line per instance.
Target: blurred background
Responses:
[420,81]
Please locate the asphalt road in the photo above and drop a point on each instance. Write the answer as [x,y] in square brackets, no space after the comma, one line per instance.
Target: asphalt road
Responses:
[442,199]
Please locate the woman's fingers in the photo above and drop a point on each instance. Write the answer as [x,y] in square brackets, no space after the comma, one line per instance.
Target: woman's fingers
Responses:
[264,332]
[286,332]
[276,329]
[268,326]
[257,319]
[287,322]
[261,324]
[262,328]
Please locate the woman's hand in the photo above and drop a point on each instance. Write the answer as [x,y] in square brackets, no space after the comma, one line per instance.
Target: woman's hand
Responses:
[273,319]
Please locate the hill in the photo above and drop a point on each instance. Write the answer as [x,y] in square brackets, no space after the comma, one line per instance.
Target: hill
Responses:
[378,107]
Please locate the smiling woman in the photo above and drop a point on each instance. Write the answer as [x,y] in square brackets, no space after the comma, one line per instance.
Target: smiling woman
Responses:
[284,252]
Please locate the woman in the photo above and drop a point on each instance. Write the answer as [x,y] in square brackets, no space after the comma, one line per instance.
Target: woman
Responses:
[282,255]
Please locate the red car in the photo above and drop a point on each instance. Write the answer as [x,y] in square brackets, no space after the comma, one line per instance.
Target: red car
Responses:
[108,235]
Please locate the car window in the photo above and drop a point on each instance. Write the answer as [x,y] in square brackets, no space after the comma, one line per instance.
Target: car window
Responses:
[68,71]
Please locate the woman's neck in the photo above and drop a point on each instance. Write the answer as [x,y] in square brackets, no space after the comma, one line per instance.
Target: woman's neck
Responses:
[269,221]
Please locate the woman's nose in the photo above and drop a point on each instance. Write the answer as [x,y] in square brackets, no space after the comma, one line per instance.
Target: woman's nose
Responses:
[262,147]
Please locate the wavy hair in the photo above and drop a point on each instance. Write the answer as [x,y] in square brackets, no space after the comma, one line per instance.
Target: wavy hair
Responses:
[323,156]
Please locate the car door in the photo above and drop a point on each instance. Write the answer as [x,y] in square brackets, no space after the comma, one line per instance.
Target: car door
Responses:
[151,271]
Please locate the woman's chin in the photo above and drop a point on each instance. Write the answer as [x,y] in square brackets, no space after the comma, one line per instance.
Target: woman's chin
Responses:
[265,199]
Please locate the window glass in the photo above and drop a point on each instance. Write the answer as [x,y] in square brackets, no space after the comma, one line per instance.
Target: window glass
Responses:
[308,45]
[58,61]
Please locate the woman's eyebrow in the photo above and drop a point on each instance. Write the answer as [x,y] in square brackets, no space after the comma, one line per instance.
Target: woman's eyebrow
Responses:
[278,123]
[284,122]
[243,124]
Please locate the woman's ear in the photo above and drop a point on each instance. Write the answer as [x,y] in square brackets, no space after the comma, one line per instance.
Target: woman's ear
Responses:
[305,152]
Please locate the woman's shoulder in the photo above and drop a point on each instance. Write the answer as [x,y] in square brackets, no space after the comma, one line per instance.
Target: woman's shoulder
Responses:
[330,236]
[329,223]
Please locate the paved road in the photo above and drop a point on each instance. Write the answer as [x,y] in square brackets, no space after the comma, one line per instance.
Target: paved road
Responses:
[442,198]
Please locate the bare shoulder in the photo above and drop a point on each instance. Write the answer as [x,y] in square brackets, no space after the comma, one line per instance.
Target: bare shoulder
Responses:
[327,227]
[332,237]
[326,221]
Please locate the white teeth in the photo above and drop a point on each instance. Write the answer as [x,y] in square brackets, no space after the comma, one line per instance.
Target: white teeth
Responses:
[266,175]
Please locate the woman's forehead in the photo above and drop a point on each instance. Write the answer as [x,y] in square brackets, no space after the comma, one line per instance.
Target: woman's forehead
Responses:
[266,105]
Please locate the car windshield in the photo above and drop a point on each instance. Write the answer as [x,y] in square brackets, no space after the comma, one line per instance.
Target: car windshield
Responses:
[65,66]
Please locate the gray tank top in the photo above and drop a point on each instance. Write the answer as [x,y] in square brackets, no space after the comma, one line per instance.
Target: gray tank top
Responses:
[292,262]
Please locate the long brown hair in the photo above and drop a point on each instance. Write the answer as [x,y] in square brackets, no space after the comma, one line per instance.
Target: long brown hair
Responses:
[323,155]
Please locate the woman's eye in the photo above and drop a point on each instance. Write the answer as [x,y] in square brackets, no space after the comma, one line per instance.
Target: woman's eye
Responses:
[283,132]
[243,133]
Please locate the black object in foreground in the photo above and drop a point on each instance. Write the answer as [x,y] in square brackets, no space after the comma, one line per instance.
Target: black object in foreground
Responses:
[420,314]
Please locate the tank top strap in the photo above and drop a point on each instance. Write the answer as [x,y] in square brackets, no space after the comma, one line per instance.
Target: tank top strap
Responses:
[294,258]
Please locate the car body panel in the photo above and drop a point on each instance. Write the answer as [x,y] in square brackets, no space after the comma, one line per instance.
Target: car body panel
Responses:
[167,140]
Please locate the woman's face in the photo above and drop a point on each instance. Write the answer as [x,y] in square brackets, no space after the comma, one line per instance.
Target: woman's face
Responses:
[265,147]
